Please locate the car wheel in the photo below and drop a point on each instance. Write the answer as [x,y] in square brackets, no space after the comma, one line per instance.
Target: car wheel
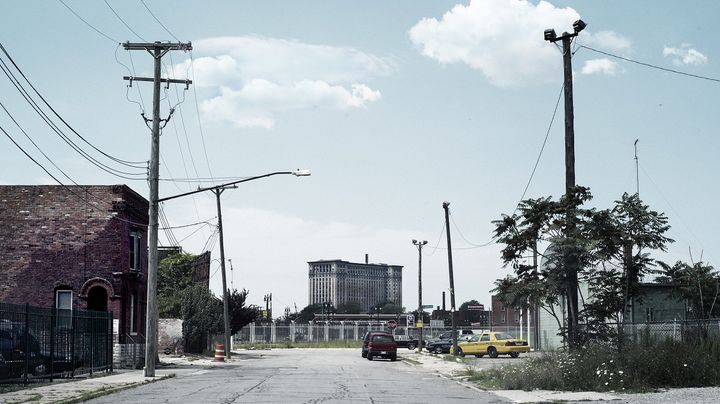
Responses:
[514,354]
[460,353]
[369,356]
[411,346]
[438,350]
[364,354]
[492,352]
[393,357]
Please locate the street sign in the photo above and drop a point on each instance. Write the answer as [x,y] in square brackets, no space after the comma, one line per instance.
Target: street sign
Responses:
[427,306]
[391,324]
[409,320]
[419,324]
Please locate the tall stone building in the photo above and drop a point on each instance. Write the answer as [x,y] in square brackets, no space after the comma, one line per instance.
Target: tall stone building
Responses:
[340,282]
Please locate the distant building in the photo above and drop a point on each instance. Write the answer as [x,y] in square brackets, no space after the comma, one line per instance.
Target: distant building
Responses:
[340,282]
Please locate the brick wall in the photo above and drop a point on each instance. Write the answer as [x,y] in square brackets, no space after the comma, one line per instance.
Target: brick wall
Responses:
[76,237]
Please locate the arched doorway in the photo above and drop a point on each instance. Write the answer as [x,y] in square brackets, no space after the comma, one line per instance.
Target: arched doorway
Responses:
[97,299]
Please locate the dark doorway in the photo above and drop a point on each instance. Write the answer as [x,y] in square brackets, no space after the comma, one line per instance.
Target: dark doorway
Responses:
[97,299]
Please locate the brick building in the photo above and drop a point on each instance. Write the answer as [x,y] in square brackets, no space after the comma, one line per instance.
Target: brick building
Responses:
[76,247]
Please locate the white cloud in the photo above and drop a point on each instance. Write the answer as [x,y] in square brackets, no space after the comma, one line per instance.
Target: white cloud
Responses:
[685,55]
[249,80]
[502,39]
[600,66]
[607,40]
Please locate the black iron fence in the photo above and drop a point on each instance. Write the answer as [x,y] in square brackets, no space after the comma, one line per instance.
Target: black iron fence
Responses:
[40,343]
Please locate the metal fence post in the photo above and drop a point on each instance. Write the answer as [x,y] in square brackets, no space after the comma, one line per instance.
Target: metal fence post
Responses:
[52,341]
[26,338]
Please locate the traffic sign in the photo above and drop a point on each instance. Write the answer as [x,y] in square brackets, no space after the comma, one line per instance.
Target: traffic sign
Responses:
[427,306]
[391,324]
[419,324]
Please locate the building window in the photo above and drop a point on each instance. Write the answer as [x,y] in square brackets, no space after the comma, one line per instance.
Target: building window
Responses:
[63,302]
[134,248]
[133,317]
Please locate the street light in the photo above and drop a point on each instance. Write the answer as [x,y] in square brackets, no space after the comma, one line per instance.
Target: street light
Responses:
[419,246]
[217,190]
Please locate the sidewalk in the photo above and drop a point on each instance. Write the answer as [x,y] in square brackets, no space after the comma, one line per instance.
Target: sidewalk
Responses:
[79,389]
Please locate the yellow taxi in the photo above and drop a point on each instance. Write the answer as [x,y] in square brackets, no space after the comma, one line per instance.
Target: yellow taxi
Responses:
[493,344]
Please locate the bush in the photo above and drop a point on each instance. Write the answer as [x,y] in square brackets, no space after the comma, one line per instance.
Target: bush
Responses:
[642,365]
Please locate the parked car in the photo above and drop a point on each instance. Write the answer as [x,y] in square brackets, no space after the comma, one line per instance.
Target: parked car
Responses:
[14,354]
[493,344]
[439,346]
[378,343]
[404,341]
[463,335]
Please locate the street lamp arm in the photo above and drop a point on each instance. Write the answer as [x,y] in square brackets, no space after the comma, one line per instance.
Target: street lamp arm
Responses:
[298,173]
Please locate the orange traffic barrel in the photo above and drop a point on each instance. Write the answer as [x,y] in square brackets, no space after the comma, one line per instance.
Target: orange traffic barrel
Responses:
[219,353]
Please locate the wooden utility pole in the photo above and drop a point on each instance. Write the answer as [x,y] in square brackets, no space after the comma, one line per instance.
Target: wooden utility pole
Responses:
[157,50]
[570,258]
[419,245]
[226,311]
[446,206]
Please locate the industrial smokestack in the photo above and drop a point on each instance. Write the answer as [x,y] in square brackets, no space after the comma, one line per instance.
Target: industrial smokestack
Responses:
[443,301]
[366,259]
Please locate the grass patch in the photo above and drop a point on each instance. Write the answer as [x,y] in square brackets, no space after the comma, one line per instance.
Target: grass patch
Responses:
[301,344]
[640,366]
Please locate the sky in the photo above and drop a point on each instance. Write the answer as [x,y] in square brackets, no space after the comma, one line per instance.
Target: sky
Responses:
[395,107]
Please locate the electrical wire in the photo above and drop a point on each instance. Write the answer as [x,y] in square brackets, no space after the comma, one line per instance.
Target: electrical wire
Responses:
[182,226]
[35,144]
[197,110]
[132,164]
[123,21]
[67,188]
[59,132]
[537,161]
[158,21]
[87,23]
[665,69]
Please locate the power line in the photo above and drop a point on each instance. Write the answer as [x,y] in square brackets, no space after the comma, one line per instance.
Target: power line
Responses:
[197,110]
[59,132]
[132,164]
[547,133]
[665,69]
[182,226]
[123,21]
[87,23]
[158,21]
[67,188]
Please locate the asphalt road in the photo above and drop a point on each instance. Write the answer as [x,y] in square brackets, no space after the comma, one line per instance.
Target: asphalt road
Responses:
[304,376]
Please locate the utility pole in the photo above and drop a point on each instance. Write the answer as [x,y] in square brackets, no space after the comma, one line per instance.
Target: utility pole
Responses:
[157,50]
[570,258]
[420,245]
[226,311]
[452,281]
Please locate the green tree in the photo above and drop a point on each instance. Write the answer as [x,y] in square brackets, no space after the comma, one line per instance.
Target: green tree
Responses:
[174,276]
[240,316]
[202,315]
[697,283]
[609,249]
[307,314]
[351,307]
